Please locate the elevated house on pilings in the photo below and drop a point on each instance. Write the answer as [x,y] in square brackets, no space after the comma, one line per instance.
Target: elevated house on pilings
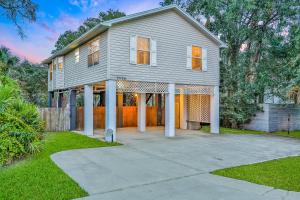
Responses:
[155,68]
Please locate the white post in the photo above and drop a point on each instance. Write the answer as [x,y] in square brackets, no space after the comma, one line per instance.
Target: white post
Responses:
[183,111]
[110,108]
[88,109]
[214,111]
[170,111]
[142,112]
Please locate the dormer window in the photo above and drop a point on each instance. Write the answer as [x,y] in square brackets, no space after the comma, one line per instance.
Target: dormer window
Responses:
[93,57]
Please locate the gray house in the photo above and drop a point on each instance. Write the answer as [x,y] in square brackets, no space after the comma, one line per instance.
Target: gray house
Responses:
[161,54]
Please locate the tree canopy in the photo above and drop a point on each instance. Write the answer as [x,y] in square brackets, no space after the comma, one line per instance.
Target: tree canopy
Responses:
[33,79]
[262,57]
[18,10]
[69,36]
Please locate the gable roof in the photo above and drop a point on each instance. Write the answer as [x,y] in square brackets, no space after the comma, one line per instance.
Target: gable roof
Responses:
[101,27]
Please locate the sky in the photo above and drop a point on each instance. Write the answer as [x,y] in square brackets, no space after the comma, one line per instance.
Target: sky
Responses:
[54,17]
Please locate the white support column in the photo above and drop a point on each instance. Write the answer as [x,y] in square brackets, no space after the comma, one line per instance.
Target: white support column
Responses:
[214,111]
[110,108]
[170,111]
[88,109]
[183,111]
[142,112]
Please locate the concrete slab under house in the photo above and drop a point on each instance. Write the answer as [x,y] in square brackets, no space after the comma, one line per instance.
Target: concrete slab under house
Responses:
[155,68]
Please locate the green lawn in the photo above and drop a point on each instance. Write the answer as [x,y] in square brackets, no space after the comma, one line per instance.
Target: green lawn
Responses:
[282,173]
[38,177]
[294,134]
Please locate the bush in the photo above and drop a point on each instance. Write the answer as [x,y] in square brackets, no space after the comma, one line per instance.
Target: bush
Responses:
[21,128]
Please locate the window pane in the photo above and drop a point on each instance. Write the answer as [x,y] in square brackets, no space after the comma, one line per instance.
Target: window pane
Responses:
[197,52]
[96,58]
[60,66]
[77,55]
[90,60]
[196,63]
[143,57]
[143,44]
[50,69]
[94,46]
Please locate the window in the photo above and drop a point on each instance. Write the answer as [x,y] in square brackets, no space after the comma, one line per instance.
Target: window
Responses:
[76,54]
[50,72]
[60,63]
[54,64]
[93,57]
[196,58]
[143,50]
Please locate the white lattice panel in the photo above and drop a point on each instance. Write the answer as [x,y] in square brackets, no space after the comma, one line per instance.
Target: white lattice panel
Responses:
[199,108]
[194,89]
[141,87]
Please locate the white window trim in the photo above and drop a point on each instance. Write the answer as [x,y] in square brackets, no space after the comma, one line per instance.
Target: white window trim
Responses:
[89,47]
[77,50]
[150,38]
[62,62]
[199,70]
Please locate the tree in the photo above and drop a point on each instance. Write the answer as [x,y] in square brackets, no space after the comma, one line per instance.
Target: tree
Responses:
[33,79]
[258,37]
[19,10]
[7,60]
[69,36]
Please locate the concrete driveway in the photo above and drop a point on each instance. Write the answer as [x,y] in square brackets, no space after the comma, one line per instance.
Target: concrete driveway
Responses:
[149,166]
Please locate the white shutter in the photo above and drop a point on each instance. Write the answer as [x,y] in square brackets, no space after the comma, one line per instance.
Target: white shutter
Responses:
[204,59]
[133,50]
[153,55]
[189,58]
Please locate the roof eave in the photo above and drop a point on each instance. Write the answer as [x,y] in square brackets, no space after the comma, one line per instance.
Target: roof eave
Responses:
[81,40]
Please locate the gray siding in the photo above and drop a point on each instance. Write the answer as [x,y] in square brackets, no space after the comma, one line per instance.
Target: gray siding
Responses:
[173,34]
[79,73]
[275,118]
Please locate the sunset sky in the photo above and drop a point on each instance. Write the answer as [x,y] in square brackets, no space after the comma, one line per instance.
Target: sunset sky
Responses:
[56,16]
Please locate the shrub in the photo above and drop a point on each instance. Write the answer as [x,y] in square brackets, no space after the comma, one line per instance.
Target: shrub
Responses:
[21,128]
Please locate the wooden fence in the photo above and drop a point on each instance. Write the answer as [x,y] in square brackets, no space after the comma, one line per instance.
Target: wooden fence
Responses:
[129,117]
[56,119]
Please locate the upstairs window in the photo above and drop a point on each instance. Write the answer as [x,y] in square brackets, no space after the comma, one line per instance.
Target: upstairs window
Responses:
[76,55]
[54,64]
[50,72]
[93,57]
[196,58]
[60,63]
[143,50]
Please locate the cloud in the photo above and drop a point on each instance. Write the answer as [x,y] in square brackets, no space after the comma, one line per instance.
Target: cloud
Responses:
[51,39]
[47,28]
[86,4]
[66,22]
[138,6]
[20,52]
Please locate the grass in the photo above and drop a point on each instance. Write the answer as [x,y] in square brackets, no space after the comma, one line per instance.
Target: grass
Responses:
[294,134]
[232,130]
[37,177]
[281,174]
